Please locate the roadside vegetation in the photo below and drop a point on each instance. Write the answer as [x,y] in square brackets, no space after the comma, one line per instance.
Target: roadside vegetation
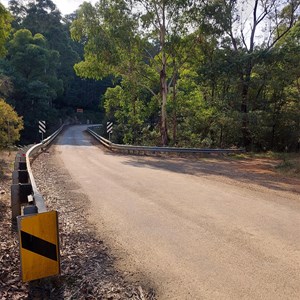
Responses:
[286,163]
[290,164]
[214,74]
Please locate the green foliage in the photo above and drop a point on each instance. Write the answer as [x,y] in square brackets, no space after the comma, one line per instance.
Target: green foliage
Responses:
[127,110]
[6,86]
[186,73]
[115,45]
[110,44]
[5,27]
[33,69]
[34,61]
[289,164]
[10,125]
[37,76]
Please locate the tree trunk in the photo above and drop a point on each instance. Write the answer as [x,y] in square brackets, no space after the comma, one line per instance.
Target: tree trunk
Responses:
[221,137]
[163,80]
[247,140]
[174,111]
[245,118]
[164,93]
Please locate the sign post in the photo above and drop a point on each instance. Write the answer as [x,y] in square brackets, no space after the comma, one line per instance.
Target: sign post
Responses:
[109,128]
[42,128]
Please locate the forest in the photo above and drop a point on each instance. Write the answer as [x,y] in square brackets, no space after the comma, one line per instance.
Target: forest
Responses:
[184,73]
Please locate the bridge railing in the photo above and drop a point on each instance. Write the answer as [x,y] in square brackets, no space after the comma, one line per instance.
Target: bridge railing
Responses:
[157,150]
[37,228]
[24,191]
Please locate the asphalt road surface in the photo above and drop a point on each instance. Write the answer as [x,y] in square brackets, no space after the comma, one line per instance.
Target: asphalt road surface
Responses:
[189,231]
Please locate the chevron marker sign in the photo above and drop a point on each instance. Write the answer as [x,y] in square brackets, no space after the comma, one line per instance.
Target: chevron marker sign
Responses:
[109,127]
[42,126]
[39,245]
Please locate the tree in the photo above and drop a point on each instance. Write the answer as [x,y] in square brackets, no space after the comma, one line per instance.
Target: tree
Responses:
[116,44]
[162,20]
[36,86]
[10,125]
[44,18]
[33,60]
[250,36]
[110,35]
[5,27]
[281,94]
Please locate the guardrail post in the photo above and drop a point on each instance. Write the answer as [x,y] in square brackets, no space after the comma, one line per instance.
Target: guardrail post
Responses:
[25,189]
[21,188]
[15,202]
[20,176]
[19,195]
[21,165]
[30,209]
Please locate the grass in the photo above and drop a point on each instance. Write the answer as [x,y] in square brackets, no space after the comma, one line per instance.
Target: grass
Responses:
[289,165]
[268,155]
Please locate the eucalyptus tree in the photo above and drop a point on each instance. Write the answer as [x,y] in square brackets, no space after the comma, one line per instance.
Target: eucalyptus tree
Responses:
[163,20]
[112,47]
[42,16]
[282,93]
[132,37]
[249,30]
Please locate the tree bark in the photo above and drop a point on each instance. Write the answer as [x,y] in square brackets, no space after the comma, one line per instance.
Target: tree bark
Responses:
[244,110]
[164,93]
[163,79]
[174,108]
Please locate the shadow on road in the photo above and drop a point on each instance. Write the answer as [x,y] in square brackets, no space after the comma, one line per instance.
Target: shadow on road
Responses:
[251,171]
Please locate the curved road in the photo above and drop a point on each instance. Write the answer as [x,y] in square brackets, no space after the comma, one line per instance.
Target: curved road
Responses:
[191,233]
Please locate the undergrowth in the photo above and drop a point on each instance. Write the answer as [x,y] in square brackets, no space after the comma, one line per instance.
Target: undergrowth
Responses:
[6,163]
[288,163]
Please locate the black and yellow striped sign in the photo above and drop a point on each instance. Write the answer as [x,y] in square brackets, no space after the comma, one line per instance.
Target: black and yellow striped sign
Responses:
[39,245]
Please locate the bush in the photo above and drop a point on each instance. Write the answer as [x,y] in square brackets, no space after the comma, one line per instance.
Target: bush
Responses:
[10,125]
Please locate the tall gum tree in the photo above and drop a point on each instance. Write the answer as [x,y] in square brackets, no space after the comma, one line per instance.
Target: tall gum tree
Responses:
[109,32]
[164,19]
[107,39]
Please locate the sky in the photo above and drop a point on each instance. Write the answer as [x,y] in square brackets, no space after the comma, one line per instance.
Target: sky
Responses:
[65,6]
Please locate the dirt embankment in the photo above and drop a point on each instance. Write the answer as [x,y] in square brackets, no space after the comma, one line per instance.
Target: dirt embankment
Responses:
[88,270]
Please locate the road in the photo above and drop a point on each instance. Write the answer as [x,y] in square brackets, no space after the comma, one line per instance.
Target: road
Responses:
[189,231]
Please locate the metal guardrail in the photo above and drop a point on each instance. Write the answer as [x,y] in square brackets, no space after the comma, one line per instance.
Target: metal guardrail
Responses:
[37,228]
[101,139]
[154,150]
[24,190]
